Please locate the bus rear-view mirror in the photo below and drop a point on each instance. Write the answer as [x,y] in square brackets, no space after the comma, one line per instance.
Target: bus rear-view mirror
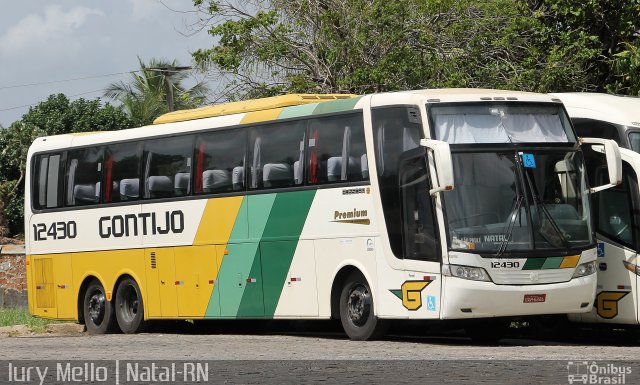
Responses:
[614,160]
[443,163]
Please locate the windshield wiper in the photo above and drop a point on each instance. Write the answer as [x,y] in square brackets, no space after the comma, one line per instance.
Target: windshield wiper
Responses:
[548,227]
[513,215]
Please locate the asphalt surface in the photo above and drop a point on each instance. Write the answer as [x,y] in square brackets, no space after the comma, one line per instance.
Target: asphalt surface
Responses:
[282,355]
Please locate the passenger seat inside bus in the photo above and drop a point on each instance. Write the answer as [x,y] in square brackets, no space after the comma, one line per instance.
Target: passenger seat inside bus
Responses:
[181,183]
[277,175]
[86,193]
[215,180]
[237,178]
[334,168]
[129,189]
[159,186]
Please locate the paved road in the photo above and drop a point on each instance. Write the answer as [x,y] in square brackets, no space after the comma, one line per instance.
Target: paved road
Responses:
[277,357]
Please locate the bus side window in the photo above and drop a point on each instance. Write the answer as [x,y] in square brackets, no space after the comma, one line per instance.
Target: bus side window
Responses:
[47,191]
[337,151]
[84,175]
[122,172]
[277,151]
[589,128]
[396,130]
[615,217]
[219,161]
[167,167]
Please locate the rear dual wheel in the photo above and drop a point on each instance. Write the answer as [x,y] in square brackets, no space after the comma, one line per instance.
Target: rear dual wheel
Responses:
[97,310]
[129,307]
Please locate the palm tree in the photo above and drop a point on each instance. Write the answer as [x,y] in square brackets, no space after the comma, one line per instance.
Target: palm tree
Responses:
[145,96]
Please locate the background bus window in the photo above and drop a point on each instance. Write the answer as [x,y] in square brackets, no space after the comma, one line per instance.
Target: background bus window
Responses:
[219,162]
[615,217]
[84,175]
[122,172]
[589,128]
[48,182]
[167,165]
[277,155]
[396,130]
[634,141]
[337,151]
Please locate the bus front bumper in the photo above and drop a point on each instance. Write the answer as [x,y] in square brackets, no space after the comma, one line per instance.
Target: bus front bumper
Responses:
[474,299]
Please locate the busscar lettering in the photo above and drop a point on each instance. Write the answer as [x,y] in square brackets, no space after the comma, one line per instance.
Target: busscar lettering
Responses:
[128,225]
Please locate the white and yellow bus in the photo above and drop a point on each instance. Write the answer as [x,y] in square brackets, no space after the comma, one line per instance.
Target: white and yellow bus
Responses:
[427,205]
[616,211]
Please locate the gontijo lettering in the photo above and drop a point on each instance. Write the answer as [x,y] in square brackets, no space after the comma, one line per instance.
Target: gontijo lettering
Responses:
[149,223]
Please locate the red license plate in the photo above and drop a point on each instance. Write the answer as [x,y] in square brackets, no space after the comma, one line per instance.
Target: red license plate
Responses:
[534,298]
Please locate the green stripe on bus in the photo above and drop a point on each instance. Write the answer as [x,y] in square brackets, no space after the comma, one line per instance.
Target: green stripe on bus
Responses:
[552,263]
[288,216]
[336,106]
[298,111]
[533,264]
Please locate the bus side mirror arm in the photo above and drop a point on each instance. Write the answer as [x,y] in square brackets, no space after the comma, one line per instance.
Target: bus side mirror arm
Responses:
[614,161]
[443,163]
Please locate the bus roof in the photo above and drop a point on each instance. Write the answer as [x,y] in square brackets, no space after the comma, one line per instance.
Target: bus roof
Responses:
[624,110]
[248,106]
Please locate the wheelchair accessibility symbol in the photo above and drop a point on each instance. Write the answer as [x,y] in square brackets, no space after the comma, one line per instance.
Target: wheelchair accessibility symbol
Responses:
[431,302]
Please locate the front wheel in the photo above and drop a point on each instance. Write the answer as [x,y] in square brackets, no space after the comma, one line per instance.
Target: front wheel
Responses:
[357,312]
[129,307]
[97,310]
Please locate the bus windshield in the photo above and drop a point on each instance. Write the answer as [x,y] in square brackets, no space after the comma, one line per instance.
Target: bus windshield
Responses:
[513,201]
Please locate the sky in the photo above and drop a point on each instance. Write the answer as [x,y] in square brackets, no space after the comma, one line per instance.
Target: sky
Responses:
[45,43]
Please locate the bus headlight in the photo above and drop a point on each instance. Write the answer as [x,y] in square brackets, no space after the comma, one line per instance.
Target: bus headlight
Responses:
[466,272]
[585,269]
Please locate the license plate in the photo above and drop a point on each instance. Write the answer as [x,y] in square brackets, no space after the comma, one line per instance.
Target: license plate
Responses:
[534,298]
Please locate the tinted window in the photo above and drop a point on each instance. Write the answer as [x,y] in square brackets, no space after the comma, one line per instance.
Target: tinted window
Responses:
[167,165]
[419,232]
[396,130]
[122,172]
[277,155]
[337,151]
[634,140]
[84,175]
[219,162]
[47,185]
[588,128]
[615,217]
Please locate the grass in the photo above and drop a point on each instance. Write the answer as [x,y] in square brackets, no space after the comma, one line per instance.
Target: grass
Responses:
[10,317]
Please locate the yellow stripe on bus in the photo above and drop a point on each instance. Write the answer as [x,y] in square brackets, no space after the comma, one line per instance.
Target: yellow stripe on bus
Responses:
[261,116]
[217,221]
[571,261]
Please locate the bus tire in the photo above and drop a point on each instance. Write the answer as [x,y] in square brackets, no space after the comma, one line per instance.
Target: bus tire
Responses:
[356,310]
[97,310]
[129,307]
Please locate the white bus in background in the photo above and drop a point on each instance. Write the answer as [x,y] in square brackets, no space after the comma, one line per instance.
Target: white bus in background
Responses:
[459,204]
[617,210]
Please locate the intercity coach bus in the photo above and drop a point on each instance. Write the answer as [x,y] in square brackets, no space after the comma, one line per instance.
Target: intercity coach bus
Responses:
[460,204]
[617,210]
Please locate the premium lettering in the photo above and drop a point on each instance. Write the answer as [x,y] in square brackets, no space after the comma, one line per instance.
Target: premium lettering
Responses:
[129,225]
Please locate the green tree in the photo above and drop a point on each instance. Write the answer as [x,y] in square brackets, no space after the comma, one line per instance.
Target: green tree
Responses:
[56,115]
[144,96]
[267,47]
[609,35]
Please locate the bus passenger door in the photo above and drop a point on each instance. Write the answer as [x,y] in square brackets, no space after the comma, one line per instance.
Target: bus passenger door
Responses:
[162,299]
[196,271]
[616,222]
[421,291]
[240,281]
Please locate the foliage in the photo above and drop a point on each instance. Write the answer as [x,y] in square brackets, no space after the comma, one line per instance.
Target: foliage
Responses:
[12,317]
[608,32]
[266,47]
[144,96]
[56,115]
